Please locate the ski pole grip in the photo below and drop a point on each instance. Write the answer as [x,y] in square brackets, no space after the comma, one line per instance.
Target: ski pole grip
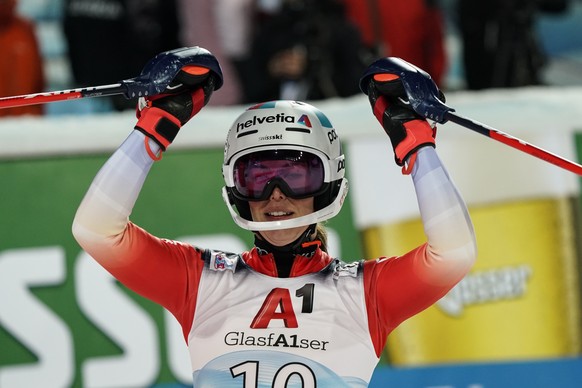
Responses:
[162,70]
[421,91]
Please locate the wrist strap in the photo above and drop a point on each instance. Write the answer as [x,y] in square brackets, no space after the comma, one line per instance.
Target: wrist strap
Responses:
[151,154]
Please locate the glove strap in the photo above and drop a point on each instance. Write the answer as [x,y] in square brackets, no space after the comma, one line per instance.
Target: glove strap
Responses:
[419,133]
[159,125]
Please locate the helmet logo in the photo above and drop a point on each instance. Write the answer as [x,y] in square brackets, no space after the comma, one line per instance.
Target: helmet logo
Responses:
[278,118]
[304,119]
[332,136]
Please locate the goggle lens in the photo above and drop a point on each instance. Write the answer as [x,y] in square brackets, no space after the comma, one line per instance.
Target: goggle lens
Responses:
[298,174]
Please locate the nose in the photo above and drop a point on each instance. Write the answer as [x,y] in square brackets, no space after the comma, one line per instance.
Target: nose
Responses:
[277,194]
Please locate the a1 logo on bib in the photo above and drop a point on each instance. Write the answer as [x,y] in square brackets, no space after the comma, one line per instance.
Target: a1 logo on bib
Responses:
[278,306]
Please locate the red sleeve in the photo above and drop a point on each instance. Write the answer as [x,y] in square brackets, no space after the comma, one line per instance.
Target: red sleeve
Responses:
[164,271]
[396,289]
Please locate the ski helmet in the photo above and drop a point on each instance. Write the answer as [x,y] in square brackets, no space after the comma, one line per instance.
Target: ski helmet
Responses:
[294,132]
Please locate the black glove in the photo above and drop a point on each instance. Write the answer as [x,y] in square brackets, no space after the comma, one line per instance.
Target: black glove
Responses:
[160,117]
[408,131]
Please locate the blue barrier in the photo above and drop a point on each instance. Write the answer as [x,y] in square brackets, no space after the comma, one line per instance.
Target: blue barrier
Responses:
[559,373]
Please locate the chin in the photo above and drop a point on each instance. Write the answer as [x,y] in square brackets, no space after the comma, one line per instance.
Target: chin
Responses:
[282,237]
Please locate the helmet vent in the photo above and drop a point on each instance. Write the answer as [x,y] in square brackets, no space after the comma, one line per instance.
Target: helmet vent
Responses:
[296,129]
[246,133]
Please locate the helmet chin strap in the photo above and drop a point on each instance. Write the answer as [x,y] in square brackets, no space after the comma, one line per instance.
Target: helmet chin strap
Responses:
[295,247]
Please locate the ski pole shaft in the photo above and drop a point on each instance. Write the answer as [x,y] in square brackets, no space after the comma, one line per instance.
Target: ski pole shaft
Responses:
[62,95]
[514,142]
[155,77]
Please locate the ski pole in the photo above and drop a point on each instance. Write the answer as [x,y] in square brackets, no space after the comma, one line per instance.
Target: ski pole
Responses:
[155,78]
[514,142]
[425,99]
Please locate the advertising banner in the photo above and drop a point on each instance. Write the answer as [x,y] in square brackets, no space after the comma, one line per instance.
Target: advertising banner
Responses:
[64,321]
[520,301]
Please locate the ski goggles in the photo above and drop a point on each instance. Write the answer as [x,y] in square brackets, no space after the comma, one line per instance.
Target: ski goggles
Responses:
[298,174]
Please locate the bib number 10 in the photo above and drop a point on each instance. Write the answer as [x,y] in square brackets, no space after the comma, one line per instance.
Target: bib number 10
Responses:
[249,370]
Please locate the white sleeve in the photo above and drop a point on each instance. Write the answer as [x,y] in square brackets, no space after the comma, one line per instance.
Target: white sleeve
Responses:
[105,209]
[447,225]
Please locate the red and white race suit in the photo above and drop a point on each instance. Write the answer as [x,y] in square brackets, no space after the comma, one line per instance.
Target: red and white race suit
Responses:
[325,325]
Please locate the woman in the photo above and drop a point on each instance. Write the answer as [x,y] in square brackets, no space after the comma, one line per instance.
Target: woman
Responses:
[284,313]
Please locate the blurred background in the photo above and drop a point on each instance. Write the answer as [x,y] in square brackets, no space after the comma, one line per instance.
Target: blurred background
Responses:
[459,42]
[513,64]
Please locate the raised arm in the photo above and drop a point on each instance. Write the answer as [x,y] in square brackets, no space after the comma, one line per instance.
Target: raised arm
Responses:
[101,225]
[451,247]
[400,287]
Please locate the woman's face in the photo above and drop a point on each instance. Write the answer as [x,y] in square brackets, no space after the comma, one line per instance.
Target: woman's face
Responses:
[279,207]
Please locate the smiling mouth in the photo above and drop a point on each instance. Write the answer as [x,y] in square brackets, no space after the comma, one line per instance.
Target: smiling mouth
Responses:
[278,214]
